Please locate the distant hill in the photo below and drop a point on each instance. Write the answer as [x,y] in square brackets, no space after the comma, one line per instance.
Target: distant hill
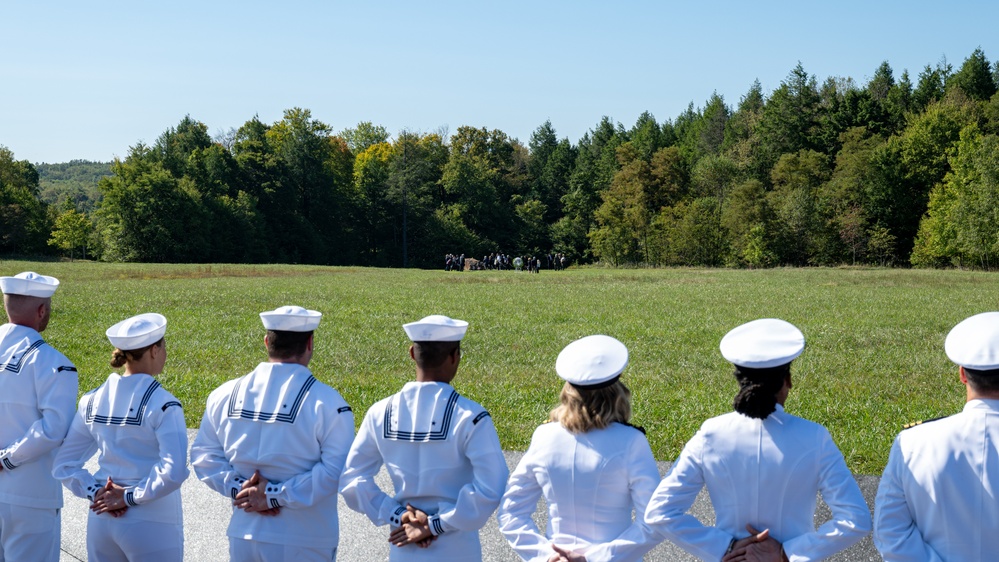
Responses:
[76,179]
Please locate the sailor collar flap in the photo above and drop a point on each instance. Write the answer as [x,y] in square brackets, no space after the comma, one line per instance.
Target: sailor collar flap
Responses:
[273,392]
[121,400]
[422,412]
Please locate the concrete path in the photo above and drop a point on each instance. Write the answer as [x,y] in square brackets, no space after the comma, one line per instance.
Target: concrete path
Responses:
[206,515]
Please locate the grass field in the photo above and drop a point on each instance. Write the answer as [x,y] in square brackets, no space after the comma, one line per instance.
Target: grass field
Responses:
[874,358]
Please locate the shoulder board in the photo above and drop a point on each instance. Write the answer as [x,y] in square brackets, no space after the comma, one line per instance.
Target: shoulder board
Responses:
[915,423]
[638,427]
[343,409]
[172,403]
[69,368]
[482,415]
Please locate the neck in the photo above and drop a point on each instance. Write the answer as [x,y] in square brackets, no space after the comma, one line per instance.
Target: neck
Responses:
[297,360]
[27,323]
[140,367]
[429,375]
[976,395]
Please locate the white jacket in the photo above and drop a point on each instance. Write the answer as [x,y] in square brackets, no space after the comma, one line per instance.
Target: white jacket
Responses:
[937,500]
[591,482]
[765,473]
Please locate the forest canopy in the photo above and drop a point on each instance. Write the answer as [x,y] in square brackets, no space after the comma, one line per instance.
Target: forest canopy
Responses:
[902,170]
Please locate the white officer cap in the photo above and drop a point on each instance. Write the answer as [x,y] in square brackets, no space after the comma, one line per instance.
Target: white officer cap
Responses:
[762,344]
[592,362]
[291,319]
[138,331]
[974,342]
[436,328]
[29,284]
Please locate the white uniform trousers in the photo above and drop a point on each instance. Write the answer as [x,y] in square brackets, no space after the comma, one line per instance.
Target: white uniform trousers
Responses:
[241,550]
[131,539]
[28,534]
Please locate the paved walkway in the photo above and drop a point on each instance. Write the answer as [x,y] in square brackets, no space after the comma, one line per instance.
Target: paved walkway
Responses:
[206,515]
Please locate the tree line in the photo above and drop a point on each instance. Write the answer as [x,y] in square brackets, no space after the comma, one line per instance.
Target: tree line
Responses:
[892,172]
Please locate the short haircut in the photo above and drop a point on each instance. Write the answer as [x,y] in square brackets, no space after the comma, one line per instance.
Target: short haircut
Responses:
[283,344]
[582,409]
[431,354]
[18,304]
[983,381]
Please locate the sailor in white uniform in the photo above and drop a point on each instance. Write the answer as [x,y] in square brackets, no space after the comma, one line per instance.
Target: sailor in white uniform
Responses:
[441,451]
[274,442]
[762,467]
[937,500]
[138,430]
[38,387]
[593,468]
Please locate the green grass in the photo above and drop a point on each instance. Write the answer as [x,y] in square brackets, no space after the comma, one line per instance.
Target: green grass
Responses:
[874,359]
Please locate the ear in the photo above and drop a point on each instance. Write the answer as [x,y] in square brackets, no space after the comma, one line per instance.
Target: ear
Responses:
[412,353]
[266,342]
[308,345]
[964,376]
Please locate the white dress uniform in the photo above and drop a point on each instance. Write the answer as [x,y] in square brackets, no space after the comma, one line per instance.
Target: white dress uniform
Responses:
[296,431]
[38,387]
[591,482]
[444,457]
[764,473]
[138,430]
[761,472]
[937,500]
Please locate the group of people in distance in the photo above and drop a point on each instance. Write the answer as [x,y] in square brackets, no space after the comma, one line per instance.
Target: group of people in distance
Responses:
[280,446]
[500,262]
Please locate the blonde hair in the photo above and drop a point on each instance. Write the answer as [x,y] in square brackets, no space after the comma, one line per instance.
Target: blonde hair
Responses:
[581,410]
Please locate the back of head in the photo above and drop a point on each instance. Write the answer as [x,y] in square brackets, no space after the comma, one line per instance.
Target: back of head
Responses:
[27,298]
[430,355]
[285,344]
[758,388]
[593,395]
[761,351]
[134,336]
[985,383]
[436,338]
[973,344]
[18,306]
[289,329]
[581,409]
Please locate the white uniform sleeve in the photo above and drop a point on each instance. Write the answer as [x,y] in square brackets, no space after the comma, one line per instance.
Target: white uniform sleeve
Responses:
[895,533]
[358,486]
[209,461]
[76,450]
[304,490]
[170,472]
[636,540]
[56,385]
[667,510]
[518,504]
[478,499]
[851,518]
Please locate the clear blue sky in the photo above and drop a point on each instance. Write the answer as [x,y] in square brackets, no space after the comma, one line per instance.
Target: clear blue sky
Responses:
[89,79]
